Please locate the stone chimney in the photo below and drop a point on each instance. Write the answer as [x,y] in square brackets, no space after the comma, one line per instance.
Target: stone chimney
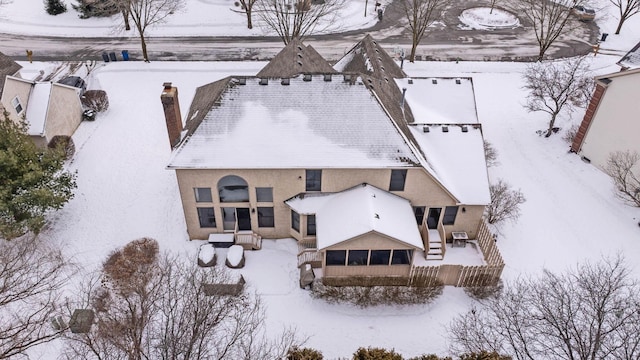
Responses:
[171,106]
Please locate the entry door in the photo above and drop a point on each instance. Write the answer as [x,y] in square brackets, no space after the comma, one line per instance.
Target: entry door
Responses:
[433,218]
[244,218]
[229,219]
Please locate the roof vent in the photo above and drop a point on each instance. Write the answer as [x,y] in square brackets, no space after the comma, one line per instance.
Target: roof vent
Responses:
[264,82]
[307,77]
[299,63]
[410,81]
[458,81]
[242,81]
[327,77]
[434,81]
[299,47]
[167,85]
[425,129]
[300,55]
[445,129]
[285,81]
[465,129]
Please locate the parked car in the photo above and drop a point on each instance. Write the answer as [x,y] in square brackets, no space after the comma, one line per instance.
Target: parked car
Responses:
[74,81]
[583,13]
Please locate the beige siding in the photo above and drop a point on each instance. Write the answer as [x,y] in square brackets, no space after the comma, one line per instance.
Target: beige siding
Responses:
[13,88]
[615,126]
[64,113]
[420,190]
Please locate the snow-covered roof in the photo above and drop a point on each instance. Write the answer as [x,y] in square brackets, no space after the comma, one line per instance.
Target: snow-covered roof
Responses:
[456,159]
[360,210]
[37,107]
[632,59]
[440,100]
[315,123]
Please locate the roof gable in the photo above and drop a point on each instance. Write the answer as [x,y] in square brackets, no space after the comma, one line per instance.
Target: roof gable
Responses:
[8,67]
[294,59]
[367,57]
[361,210]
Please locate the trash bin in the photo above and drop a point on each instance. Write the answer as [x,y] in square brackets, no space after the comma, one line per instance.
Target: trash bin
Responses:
[125,55]
[604,37]
[112,56]
[105,57]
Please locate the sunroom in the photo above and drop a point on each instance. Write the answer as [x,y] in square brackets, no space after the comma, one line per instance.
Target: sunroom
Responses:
[362,231]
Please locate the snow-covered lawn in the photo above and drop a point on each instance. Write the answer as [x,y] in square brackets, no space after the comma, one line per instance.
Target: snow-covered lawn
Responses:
[198,18]
[124,191]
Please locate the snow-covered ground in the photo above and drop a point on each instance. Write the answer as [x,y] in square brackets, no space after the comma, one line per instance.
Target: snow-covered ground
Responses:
[124,191]
[197,18]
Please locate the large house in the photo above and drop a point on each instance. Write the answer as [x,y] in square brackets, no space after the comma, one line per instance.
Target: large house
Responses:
[369,170]
[51,110]
[611,121]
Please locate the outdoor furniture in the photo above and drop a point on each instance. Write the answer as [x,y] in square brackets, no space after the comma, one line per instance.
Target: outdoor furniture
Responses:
[459,238]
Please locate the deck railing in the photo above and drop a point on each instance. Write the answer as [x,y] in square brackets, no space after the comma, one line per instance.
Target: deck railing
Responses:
[464,276]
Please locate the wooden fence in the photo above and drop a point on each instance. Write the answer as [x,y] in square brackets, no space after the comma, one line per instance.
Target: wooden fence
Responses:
[464,276]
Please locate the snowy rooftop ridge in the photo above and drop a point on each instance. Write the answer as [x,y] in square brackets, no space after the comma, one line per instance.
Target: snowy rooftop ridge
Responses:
[456,159]
[306,121]
[440,100]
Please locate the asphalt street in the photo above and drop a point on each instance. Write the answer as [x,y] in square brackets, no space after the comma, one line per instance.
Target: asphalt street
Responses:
[441,43]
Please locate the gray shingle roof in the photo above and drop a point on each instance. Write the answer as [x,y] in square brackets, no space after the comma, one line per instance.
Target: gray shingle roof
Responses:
[311,122]
[7,67]
[632,59]
[296,58]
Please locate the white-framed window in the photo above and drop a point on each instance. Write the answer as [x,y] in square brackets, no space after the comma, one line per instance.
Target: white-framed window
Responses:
[17,105]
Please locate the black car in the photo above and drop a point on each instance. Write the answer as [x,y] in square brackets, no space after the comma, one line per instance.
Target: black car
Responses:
[74,81]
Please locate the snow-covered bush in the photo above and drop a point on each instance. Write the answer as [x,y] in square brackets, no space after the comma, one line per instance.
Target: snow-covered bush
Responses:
[54,7]
[96,100]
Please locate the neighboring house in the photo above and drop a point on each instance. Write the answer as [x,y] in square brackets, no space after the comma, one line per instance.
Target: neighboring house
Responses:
[50,109]
[631,60]
[611,121]
[372,172]
[8,67]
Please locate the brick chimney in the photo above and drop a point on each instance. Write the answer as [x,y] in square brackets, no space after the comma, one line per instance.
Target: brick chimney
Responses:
[171,106]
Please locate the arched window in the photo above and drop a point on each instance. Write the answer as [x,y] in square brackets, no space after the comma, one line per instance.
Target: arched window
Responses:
[233,189]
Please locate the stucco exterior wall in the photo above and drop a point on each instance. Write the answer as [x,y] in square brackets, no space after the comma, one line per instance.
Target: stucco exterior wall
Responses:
[616,125]
[64,113]
[420,190]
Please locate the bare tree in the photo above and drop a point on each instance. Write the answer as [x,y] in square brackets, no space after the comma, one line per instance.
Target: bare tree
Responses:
[146,14]
[505,203]
[492,5]
[626,8]
[247,10]
[554,85]
[549,19]
[32,272]
[421,14]
[292,19]
[588,313]
[624,169]
[490,154]
[151,306]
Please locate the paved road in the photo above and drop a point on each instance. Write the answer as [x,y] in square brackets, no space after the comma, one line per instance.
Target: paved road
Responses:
[445,43]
